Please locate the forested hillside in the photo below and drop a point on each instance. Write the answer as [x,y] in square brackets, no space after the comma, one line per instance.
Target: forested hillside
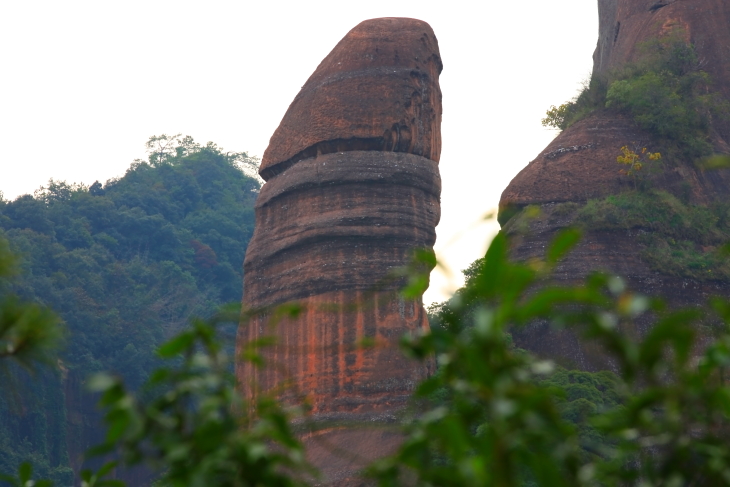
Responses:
[124,264]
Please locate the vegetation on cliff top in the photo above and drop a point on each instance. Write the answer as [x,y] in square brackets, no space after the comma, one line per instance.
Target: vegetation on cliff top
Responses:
[665,92]
[668,94]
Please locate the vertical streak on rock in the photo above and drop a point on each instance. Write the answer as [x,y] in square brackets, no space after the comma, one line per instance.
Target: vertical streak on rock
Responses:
[608,30]
[352,188]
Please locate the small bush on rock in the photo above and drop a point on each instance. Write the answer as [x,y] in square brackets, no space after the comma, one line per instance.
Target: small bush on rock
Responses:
[666,92]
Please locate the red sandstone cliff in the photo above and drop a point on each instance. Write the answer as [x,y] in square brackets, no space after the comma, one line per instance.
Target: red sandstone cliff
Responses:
[352,188]
[625,24]
[580,164]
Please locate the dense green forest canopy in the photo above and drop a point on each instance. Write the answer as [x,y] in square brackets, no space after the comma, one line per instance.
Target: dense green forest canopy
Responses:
[125,265]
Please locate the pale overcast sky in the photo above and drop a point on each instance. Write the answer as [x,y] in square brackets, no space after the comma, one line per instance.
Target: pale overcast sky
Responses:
[84,85]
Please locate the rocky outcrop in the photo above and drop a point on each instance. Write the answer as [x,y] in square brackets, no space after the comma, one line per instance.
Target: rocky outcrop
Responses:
[580,164]
[376,91]
[561,173]
[352,188]
[626,24]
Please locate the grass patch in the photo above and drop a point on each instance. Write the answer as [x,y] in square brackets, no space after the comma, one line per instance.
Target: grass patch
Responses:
[673,237]
[676,238]
[658,212]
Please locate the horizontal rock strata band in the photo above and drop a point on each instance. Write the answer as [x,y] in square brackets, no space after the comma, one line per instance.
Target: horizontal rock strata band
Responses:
[341,221]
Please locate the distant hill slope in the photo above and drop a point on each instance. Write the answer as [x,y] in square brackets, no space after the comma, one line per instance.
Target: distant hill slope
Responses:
[125,265]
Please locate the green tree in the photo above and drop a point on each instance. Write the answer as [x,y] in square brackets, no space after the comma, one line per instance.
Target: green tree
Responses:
[506,421]
[665,91]
[29,333]
[191,424]
[124,265]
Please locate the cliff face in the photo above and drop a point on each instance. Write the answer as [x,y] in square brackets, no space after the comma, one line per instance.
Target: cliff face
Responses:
[625,24]
[580,164]
[352,188]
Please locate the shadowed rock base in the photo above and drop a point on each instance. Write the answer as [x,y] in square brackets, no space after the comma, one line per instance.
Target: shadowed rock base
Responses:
[332,449]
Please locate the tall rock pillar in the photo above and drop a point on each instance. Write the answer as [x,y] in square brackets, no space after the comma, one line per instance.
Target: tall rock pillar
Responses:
[352,187]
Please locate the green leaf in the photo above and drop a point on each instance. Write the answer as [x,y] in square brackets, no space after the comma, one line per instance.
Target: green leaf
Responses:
[417,285]
[425,258]
[25,472]
[118,422]
[715,162]
[176,345]
[563,242]
[99,450]
[106,468]
[86,475]
[495,260]
[7,478]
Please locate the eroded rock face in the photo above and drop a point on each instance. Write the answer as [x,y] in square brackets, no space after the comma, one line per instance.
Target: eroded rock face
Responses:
[625,24]
[580,164]
[352,188]
[617,252]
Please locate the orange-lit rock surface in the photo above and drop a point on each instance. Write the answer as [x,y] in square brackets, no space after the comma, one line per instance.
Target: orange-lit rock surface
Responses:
[580,164]
[352,189]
